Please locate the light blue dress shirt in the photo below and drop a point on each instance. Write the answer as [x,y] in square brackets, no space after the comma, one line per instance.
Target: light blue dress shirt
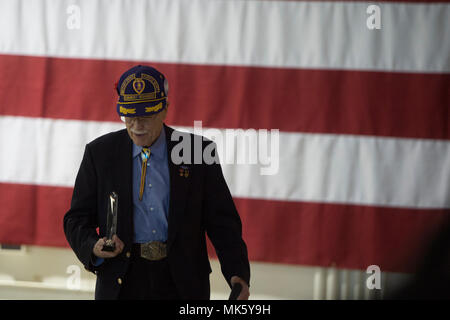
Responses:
[151,214]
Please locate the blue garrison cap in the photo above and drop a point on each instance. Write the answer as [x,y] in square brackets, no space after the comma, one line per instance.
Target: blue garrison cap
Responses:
[142,92]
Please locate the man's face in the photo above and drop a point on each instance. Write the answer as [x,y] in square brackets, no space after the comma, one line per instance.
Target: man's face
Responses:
[145,130]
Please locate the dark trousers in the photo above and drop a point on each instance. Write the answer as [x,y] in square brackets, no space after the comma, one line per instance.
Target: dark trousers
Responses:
[148,280]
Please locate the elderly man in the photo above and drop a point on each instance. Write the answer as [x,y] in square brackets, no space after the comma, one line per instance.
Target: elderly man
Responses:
[164,209]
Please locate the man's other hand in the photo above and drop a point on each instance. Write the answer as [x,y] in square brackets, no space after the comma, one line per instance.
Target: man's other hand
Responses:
[245,292]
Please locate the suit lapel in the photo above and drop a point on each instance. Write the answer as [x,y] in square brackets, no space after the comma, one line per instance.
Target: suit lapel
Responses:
[179,186]
[122,173]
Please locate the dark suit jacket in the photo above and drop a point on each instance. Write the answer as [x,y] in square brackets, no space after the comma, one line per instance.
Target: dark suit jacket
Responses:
[199,203]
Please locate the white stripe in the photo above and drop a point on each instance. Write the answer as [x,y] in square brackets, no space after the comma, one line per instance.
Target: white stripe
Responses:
[45,151]
[412,38]
[312,167]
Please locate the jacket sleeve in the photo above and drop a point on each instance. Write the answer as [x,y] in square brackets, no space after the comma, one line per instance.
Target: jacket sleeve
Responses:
[223,225]
[80,222]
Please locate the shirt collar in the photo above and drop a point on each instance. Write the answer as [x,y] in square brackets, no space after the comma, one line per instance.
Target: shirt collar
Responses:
[157,149]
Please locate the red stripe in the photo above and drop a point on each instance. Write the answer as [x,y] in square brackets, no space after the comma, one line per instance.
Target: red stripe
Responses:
[275,231]
[348,236]
[33,214]
[316,101]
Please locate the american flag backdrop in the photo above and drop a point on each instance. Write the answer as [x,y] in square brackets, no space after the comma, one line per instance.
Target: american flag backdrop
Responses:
[362,114]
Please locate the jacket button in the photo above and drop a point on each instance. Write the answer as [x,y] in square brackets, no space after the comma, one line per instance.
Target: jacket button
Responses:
[119,281]
[128,254]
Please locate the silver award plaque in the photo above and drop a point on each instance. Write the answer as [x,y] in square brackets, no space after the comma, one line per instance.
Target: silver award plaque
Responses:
[111,222]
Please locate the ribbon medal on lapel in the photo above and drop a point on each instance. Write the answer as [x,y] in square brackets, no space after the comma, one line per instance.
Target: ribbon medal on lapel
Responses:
[184,171]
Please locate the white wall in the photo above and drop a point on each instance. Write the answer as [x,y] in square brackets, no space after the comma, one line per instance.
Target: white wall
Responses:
[42,273]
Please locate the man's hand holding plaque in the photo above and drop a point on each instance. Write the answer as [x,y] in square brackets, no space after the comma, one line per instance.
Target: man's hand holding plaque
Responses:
[98,248]
[110,246]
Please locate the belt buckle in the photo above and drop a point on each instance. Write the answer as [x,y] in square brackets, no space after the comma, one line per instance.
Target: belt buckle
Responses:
[154,250]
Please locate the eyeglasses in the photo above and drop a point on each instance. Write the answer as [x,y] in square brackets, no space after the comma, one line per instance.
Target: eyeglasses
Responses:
[133,119]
